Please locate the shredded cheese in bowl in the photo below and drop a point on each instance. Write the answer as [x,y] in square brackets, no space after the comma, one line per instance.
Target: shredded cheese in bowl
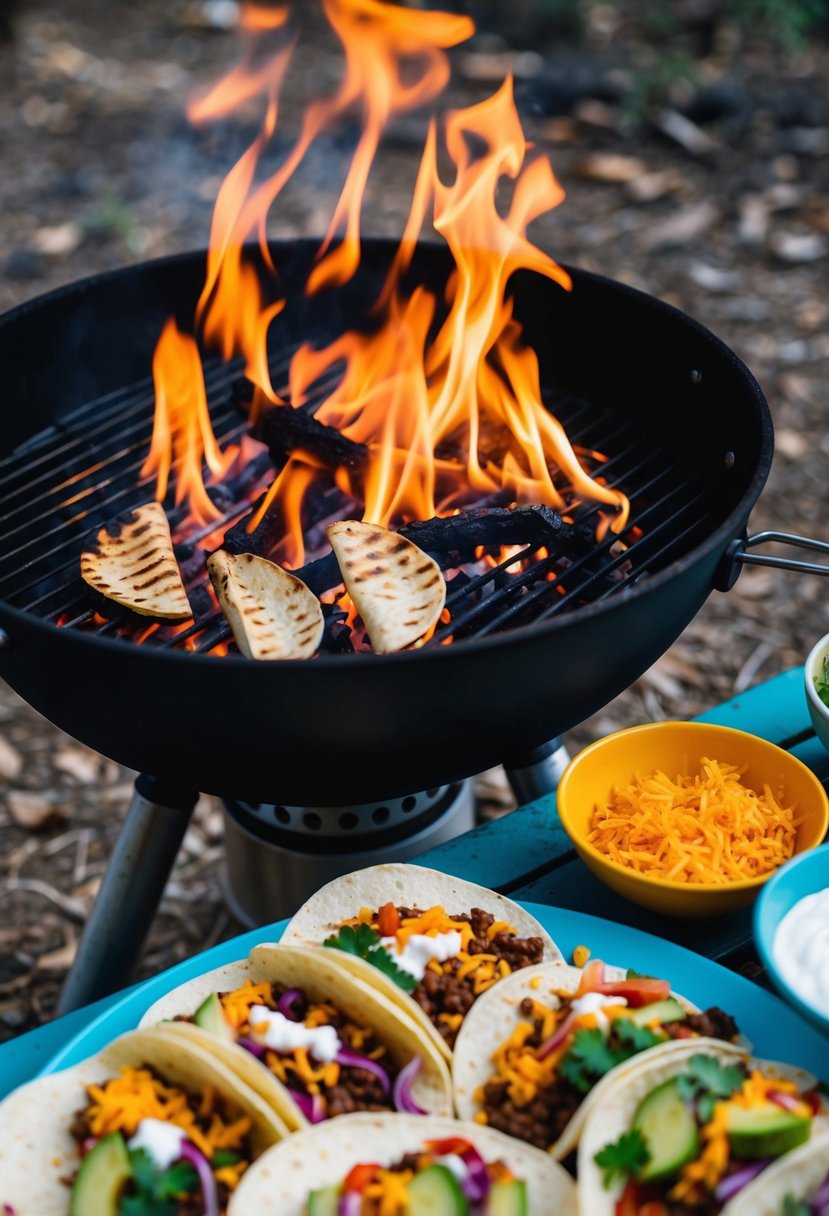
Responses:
[702,828]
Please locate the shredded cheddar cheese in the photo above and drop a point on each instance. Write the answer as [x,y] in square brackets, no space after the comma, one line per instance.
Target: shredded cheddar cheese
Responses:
[705,828]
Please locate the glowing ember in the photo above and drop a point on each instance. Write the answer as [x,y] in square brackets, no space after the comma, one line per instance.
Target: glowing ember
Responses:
[443,392]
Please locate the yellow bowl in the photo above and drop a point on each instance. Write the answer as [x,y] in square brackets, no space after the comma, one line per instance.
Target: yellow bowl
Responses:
[678,747]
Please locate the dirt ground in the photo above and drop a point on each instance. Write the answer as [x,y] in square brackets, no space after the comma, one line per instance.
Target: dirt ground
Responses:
[711,193]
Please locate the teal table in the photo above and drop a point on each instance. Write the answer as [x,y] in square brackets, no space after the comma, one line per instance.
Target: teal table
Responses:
[527,855]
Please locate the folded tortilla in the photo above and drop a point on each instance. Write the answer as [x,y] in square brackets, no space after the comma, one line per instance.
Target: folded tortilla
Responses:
[131,561]
[37,1152]
[272,613]
[411,886]
[278,1184]
[798,1174]
[321,979]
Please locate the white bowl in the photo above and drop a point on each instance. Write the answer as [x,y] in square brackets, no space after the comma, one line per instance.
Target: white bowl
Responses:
[818,712]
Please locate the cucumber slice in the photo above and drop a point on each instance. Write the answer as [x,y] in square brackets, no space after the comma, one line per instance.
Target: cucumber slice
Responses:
[668,1010]
[508,1199]
[324,1203]
[100,1180]
[211,1017]
[436,1191]
[669,1130]
[766,1130]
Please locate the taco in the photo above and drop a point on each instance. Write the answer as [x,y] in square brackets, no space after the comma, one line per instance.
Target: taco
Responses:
[307,1036]
[370,1164]
[429,942]
[685,1131]
[535,1052]
[148,1125]
[796,1185]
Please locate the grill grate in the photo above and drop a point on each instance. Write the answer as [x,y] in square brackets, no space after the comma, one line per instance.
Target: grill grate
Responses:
[74,476]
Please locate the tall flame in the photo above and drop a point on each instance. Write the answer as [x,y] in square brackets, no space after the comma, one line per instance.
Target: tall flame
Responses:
[445,393]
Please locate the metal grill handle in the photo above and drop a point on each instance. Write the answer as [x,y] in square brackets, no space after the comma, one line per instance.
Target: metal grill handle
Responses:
[738,554]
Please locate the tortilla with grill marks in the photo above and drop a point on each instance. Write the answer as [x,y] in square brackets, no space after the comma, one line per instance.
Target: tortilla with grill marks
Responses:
[273,615]
[397,589]
[131,561]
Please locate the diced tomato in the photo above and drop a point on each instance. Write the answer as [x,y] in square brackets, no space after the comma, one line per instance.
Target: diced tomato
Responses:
[653,1208]
[637,992]
[813,1100]
[388,922]
[628,1202]
[451,1146]
[358,1178]
[683,1032]
[592,977]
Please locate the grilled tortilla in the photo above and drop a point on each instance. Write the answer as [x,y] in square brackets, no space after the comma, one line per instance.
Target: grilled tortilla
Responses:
[273,615]
[397,589]
[131,561]
[38,1150]
[280,1182]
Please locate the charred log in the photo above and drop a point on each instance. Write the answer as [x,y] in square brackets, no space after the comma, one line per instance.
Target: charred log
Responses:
[286,430]
[531,525]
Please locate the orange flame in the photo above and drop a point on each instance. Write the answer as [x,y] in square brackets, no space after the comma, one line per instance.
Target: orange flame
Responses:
[182,434]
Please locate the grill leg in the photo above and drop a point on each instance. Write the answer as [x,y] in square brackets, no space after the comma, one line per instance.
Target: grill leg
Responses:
[130,893]
[537,772]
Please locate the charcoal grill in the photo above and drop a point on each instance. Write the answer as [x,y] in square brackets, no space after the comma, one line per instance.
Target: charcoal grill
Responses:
[688,437]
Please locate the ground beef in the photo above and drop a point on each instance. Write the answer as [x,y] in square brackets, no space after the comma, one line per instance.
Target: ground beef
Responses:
[542,1121]
[713,1023]
[442,992]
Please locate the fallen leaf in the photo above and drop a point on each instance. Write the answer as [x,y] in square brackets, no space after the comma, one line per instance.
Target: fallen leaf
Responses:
[57,241]
[11,761]
[33,811]
[790,444]
[680,228]
[655,185]
[685,133]
[611,167]
[79,762]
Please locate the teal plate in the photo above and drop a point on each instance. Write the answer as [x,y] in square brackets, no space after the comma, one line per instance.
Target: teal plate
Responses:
[776,1031]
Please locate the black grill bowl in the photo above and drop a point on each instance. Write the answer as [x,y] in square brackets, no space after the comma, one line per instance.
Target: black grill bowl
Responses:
[339,730]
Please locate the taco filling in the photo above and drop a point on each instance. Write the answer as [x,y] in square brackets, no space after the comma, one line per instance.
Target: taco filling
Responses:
[330,1064]
[698,1138]
[445,1178]
[443,961]
[554,1057]
[154,1149]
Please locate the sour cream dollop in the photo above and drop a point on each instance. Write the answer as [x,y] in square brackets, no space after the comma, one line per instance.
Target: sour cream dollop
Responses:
[801,949]
[420,948]
[160,1141]
[274,1030]
[596,1003]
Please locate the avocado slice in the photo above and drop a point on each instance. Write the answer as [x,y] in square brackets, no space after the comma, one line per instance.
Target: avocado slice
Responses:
[211,1017]
[508,1199]
[100,1180]
[668,1010]
[436,1191]
[766,1130]
[669,1130]
[325,1202]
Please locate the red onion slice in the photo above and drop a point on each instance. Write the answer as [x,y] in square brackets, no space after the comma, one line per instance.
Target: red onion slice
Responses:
[556,1038]
[476,1184]
[287,1001]
[311,1105]
[350,1204]
[255,1049]
[734,1183]
[209,1190]
[820,1199]
[351,1059]
[787,1101]
[401,1094]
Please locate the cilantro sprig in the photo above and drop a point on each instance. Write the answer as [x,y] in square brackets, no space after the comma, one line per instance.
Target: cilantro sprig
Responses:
[591,1055]
[706,1081]
[364,941]
[822,681]
[795,1207]
[625,1158]
[157,1192]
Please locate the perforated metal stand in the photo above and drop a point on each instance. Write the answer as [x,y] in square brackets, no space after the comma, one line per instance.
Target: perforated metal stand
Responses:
[130,892]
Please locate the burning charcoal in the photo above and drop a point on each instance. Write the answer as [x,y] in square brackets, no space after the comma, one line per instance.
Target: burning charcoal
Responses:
[253,471]
[285,430]
[498,526]
[265,536]
[322,574]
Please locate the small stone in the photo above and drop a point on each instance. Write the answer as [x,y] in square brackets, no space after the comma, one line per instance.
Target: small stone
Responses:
[11,761]
[58,241]
[79,762]
[33,811]
[798,246]
[713,278]
[611,167]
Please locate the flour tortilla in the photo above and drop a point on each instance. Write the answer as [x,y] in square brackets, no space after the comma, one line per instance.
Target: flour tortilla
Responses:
[606,1122]
[409,886]
[798,1174]
[279,1183]
[397,589]
[131,561]
[322,980]
[491,1021]
[272,613]
[36,1148]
